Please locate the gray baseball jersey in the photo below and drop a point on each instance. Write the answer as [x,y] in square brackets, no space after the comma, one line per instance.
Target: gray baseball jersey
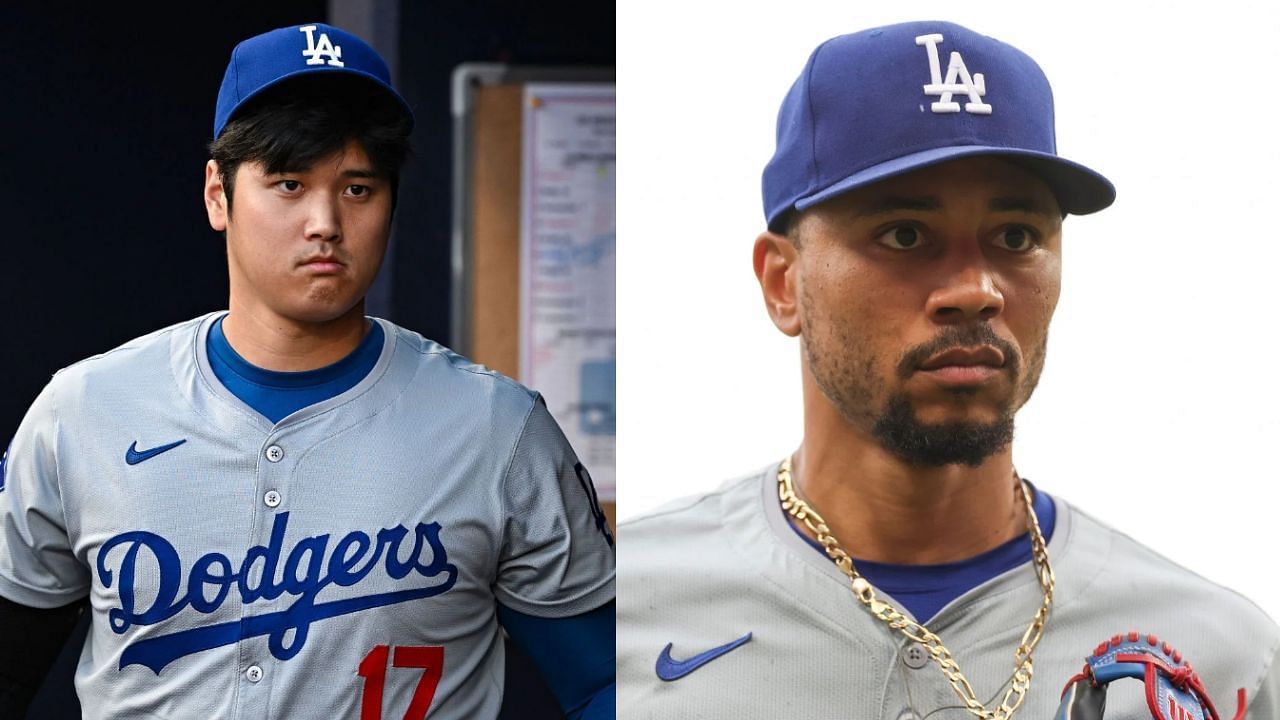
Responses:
[704,572]
[342,563]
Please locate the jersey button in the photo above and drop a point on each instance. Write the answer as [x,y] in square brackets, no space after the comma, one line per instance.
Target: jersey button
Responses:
[272,498]
[275,453]
[915,657]
[254,673]
[908,714]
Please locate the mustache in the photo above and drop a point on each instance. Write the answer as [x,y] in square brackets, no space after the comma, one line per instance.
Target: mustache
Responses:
[326,251]
[959,336]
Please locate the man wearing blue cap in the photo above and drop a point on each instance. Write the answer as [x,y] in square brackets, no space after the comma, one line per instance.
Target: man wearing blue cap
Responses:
[289,509]
[896,565]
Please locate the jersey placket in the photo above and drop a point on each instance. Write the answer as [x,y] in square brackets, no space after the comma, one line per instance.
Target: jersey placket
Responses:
[917,686]
[924,690]
[259,669]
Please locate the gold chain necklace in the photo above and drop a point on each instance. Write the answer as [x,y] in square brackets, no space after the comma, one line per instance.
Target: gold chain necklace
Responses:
[1017,691]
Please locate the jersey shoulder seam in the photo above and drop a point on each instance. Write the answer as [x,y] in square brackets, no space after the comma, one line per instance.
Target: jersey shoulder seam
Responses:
[506,473]
[1143,548]
[132,343]
[456,361]
[57,469]
[678,506]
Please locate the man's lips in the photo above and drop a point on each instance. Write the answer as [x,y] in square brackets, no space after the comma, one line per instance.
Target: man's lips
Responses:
[982,355]
[964,366]
[326,264]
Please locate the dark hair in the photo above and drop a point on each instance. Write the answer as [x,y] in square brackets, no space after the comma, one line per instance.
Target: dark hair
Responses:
[787,224]
[291,126]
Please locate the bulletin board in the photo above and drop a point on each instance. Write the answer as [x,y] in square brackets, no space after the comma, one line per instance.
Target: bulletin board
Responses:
[507,120]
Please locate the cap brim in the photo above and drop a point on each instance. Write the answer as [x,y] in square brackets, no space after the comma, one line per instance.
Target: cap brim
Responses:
[391,92]
[1079,190]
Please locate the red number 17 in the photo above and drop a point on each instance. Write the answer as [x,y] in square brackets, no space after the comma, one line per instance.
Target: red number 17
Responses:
[374,671]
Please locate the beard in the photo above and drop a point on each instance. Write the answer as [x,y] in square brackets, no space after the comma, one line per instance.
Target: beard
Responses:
[933,445]
[850,383]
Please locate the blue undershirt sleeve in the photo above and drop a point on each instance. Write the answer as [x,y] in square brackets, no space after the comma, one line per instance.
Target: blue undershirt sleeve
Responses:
[575,656]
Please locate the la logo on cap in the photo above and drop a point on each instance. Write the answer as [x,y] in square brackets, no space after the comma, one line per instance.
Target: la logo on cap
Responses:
[317,52]
[958,81]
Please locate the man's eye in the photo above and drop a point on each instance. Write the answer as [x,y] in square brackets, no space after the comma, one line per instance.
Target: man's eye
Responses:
[289,185]
[1015,239]
[358,190]
[903,237]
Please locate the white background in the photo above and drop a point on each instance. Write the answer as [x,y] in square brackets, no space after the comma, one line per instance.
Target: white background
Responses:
[1158,408]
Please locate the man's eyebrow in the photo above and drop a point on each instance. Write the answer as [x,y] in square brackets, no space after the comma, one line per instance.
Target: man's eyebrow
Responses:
[889,204]
[358,172]
[1024,204]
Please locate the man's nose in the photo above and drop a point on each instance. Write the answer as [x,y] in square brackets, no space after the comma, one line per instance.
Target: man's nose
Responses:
[969,293]
[323,219]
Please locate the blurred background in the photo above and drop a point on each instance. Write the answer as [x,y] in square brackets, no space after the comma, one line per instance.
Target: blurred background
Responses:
[108,108]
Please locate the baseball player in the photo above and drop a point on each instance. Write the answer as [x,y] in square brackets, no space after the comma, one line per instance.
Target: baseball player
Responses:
[289,509]
[896,565]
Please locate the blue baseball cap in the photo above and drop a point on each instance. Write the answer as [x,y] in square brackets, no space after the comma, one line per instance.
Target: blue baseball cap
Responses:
[882,102]
[265,60]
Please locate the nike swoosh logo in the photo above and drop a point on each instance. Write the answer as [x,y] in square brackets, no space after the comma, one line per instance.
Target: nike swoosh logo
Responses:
[669,669]
[133,456]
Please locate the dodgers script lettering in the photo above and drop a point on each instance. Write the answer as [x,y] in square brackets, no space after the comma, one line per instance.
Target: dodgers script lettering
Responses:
[309,568]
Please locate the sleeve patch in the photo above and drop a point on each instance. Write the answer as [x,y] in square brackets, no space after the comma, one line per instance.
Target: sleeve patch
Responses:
[602,522]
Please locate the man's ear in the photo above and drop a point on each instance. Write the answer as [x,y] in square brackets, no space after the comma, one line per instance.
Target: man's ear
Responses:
[215,197]
[776,261]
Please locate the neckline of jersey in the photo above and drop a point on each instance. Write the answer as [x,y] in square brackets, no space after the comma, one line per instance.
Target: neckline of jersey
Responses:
[1076,560]
[359,361]
[900,578]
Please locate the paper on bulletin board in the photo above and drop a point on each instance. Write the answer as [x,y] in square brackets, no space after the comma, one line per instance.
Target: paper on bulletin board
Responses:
[567,243]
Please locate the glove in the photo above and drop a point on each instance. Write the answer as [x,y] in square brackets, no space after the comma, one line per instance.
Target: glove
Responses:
[1174,691]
